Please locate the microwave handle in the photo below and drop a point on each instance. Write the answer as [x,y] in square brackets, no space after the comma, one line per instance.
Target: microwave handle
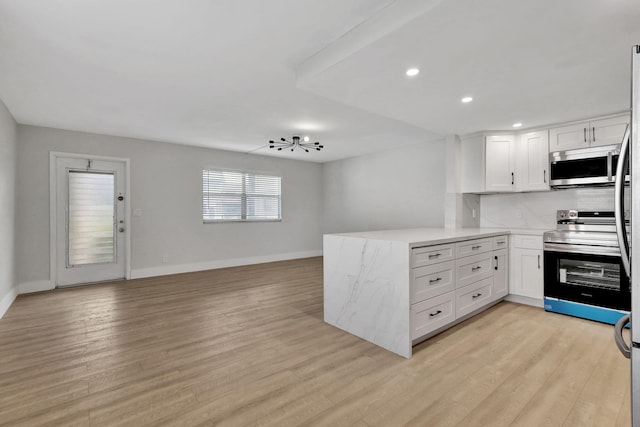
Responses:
[621,231]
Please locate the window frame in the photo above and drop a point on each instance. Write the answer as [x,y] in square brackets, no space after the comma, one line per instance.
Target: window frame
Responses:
[243,196]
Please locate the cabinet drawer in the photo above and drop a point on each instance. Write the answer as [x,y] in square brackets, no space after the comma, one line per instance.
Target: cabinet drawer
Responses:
[527,242]
[428,255]
[500,242]
[472,247]
[473,296]
[429,315]
[473,268]
[432,280]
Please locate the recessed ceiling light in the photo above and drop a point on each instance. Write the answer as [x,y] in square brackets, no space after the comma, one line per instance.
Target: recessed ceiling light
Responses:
[467,99]
[306,139]
[411,72]
[517,125]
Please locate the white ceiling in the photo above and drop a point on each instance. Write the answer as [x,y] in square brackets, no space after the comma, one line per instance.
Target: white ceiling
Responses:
[222,73]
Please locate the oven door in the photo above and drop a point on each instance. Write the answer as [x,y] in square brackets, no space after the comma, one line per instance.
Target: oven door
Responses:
[588,278]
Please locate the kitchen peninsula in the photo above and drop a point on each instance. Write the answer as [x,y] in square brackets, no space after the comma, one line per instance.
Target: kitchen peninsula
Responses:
[395,288]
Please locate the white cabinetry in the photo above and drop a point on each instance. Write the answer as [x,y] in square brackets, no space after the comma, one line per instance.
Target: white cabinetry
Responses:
[527,278]
[445,292]
[505,163]
[500,273]
[532,163]
[586,134]
[500,163]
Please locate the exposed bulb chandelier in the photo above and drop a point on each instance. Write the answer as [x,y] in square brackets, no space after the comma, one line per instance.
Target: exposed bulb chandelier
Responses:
[283,144]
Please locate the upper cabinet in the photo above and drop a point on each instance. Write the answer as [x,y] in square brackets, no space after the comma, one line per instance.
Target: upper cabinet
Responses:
[532,161]
[505,163]
[593,133]
[500,159]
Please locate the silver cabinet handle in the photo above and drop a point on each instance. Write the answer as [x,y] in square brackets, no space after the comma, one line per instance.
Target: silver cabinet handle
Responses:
[501,242]
[496,267]
[512,178]
[585,134]
[473,248]
[476,295]
[544,176]
[593,134]
[617,333]
[621,231]
[538,262]
[476,268]
[434,256]
[435,280]
[435,314]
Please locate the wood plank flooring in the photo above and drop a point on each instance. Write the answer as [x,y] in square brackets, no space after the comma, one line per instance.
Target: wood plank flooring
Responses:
[247,346]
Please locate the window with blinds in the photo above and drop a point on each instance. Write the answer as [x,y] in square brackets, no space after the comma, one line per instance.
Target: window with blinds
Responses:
[238,196]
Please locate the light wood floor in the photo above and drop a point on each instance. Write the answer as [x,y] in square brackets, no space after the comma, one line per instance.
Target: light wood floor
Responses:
[247,346]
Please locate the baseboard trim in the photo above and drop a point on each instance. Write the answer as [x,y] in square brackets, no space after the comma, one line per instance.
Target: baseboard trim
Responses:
[525,300]
[165,270]
[35,286]
[7,300]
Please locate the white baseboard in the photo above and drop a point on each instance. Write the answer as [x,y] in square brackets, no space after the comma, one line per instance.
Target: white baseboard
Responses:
[536,302]
[7,300]
[35,286]
[164,270]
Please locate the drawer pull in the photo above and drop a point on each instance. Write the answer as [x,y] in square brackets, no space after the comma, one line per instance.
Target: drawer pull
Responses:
[476,268]
[434,256]
[501,242]
[435,280]
[435,314]
[478,295]
[473,248]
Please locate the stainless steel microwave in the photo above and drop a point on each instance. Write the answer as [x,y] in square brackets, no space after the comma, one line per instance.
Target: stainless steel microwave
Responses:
[584,167]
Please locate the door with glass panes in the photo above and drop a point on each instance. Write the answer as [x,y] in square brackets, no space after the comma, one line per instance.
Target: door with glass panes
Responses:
[90,217]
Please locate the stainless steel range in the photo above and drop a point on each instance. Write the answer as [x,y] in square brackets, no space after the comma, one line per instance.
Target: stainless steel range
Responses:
[583,272]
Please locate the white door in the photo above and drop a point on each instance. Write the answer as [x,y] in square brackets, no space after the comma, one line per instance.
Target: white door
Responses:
[500,159]
[90,226]
[608,131]
[569,137]
[533,162]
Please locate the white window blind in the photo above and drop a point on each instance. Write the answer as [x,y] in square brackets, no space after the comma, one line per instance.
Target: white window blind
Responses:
[238,196]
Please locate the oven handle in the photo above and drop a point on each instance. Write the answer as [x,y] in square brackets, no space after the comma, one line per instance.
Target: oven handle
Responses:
[582,249]
[623,242]
[622,345]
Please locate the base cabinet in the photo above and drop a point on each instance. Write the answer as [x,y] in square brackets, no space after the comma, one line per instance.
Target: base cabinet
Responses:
[500,273]
[443,292]
[527,276]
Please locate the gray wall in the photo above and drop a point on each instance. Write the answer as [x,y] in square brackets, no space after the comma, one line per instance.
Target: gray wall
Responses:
[8,161]
[166,183]
[400,188]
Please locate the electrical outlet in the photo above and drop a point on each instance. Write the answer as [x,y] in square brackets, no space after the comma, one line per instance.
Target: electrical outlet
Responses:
[165,259]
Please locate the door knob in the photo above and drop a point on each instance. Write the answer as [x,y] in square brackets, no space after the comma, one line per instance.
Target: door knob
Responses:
[121,229]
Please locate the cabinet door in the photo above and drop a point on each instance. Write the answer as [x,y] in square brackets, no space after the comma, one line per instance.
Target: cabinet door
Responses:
[500,159]
[533,162]
[568,137]
[528,273]
[500,273]
[608,131]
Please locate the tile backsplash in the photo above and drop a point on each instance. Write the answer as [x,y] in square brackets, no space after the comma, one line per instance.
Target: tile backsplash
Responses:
[538,210]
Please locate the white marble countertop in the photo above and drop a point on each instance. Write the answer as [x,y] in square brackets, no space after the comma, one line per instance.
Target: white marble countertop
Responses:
[434,236]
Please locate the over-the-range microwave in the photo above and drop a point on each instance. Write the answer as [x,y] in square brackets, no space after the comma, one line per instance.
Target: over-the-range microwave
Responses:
[582,167]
